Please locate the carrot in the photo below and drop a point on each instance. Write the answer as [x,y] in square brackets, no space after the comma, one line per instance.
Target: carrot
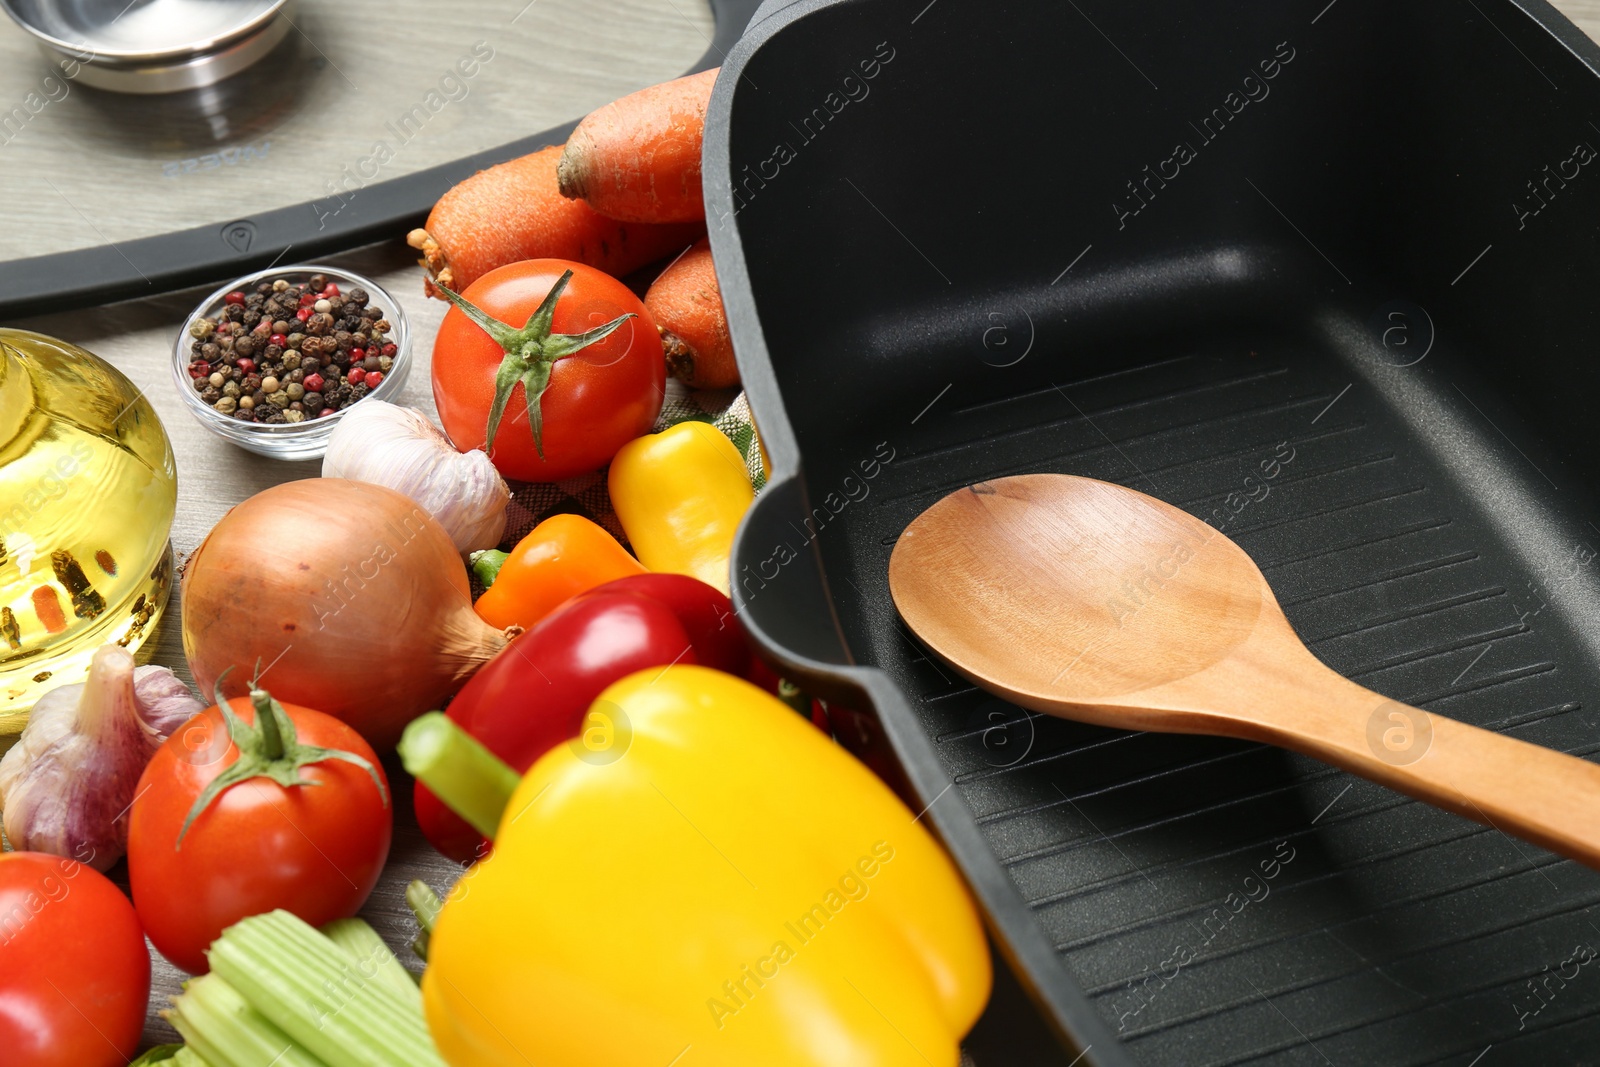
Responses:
[638,158]
[687,307]
[514,211]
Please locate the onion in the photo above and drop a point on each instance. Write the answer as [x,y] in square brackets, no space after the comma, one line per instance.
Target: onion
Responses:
[348,596]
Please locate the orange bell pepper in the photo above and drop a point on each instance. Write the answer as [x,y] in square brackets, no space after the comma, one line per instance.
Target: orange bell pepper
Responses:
[561,557]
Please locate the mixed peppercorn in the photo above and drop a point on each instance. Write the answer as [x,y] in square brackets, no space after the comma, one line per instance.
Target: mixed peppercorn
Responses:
[290,351]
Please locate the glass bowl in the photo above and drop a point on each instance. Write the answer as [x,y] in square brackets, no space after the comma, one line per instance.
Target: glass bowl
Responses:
[296,440]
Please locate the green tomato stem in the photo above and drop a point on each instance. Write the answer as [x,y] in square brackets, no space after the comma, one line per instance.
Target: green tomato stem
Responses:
[472,781]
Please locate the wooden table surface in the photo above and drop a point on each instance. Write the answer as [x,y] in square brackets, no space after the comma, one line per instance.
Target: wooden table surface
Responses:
[137,337]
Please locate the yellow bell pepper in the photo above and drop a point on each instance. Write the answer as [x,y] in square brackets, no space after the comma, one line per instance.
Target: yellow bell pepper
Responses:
[680,495]
[704,880]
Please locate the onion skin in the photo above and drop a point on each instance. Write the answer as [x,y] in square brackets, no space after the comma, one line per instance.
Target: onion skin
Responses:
[350,598]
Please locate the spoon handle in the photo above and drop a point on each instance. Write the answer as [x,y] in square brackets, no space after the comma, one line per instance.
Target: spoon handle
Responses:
[1522,789]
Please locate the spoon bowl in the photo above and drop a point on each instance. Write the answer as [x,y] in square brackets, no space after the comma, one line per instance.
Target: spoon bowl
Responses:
[1095,602]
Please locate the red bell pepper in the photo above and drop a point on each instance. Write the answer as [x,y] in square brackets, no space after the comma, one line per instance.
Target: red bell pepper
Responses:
[535,693]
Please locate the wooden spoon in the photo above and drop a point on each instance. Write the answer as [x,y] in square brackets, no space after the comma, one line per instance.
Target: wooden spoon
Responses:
[1095,602]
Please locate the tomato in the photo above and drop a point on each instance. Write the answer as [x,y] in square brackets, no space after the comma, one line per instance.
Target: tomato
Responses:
[74,970]
[598,398]
[314,849]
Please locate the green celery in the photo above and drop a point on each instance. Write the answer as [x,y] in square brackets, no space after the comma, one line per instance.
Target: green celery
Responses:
[372,957]
[306,985]
[225,1031]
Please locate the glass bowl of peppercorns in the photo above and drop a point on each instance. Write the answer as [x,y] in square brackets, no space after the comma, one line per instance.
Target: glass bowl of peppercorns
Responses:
[272,361]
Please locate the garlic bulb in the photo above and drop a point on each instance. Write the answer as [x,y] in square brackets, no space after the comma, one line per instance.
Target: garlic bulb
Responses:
[400,449]
[67,784]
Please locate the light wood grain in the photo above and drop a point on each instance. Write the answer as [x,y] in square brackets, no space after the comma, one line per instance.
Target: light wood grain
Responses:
[95,166]
[1095,602]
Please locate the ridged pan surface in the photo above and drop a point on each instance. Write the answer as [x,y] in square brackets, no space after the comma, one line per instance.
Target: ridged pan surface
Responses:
[1344,313]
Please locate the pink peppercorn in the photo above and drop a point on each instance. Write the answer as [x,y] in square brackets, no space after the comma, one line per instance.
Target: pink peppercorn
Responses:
[235,297]
[355,376]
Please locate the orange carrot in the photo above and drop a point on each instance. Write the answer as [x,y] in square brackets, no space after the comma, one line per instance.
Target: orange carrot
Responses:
[514,211]
[638,158]
[687,307]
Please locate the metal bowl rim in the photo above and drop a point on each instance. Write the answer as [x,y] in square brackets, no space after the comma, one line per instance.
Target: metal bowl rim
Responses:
[134,59]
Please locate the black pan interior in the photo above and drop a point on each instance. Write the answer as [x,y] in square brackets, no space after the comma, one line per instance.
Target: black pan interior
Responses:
[1346,330]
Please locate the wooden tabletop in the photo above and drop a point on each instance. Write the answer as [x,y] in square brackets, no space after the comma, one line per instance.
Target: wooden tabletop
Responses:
[137,337]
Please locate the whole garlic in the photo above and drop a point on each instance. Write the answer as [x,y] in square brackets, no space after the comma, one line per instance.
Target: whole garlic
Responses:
[67,784]
[398,448]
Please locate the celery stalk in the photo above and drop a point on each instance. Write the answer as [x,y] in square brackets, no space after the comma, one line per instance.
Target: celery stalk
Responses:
[223,1029]
[307,986]
[372,957]
[188,1057]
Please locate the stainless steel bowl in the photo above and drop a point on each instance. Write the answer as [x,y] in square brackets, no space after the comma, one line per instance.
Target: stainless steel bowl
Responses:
[153,46]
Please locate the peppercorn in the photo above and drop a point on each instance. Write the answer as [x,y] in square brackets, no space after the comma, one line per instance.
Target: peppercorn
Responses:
[294,416]
[317,282]
[269,384]
[313,401]
[280,285]
[231,390]
[227,405]
[357,296]
[210,394]
[247,402]
[295,390]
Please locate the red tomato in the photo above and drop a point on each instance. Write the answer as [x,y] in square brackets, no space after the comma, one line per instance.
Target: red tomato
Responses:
[597,400]
[314,850]
[74,970]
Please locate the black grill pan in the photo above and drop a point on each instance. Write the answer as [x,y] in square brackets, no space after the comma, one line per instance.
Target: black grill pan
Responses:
[1347,313]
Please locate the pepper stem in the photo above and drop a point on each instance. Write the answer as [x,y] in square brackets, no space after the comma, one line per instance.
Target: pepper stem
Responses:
[425,905]
[487,563]
[472,781]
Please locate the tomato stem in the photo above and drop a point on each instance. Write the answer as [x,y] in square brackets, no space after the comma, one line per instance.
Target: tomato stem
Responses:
[530,353]
[472,781]
[269,749]
[271,736]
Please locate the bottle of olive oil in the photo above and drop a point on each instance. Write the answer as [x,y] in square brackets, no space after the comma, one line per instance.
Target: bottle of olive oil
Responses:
[87,492]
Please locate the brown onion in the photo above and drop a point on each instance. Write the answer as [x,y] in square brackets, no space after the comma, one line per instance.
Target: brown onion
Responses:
[351,599]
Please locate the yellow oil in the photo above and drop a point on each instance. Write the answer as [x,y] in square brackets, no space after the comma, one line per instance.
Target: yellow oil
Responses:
[87,493]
